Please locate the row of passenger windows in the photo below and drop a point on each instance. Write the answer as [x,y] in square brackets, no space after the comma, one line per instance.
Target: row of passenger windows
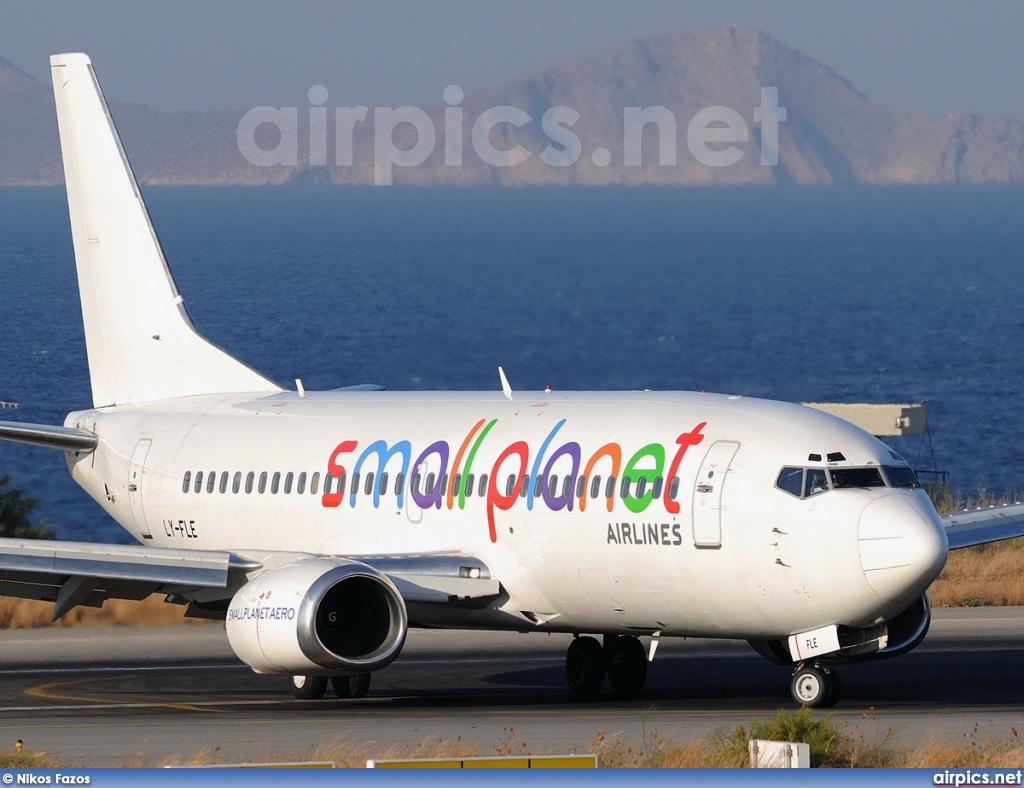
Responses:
[288,483]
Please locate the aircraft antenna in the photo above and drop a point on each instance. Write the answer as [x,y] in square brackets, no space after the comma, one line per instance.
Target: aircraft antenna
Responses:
[505,388]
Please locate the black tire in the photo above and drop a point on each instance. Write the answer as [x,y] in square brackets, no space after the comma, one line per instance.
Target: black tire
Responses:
[810,687]
[627,665]
[351,686]
[584,665]
[835,692]
[309,687]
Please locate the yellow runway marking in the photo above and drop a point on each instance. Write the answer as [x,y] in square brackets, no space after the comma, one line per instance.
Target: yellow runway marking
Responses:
[48,691]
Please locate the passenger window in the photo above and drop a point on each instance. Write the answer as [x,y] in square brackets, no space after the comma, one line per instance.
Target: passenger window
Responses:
[595,486]
[314,483]
[656,489]
[249,479]
[482,488]
[236,484]
[581,486]
[355,483]
[416,479]
[275,483]
[442,483]
[199,482]
[456,481]
[609,488]
[791,480]
[328,484]
[300,488]
[510,486]
[525,488]
[341,483]
[186,484]
[263,483]
[224,482]
[368,486]
[288,480]
[567,487]
[399,483]
[641,486]
[552,485]
[624,490]
[430,484]
[382,486]
[673,487]
[815,482]
[538,485]
[469,484]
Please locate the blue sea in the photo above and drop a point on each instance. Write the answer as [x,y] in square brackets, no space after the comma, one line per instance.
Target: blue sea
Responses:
[830,294]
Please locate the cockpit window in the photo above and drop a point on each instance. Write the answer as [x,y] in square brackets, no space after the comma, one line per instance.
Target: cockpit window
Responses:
[856,477]
[815,482]
[791,480]
[901,477]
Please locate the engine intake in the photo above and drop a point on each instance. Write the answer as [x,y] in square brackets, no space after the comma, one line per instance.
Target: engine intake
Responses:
[321,616]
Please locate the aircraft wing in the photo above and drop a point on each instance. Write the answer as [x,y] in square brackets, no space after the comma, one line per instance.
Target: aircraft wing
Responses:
[83,573]
[981,526]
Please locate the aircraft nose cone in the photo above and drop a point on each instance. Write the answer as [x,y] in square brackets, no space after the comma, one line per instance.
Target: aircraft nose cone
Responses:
[903,546]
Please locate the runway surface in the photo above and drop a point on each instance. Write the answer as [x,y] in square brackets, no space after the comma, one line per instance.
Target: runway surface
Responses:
[112,696]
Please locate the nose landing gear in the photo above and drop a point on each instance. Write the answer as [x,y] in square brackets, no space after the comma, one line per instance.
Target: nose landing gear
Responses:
[816,687]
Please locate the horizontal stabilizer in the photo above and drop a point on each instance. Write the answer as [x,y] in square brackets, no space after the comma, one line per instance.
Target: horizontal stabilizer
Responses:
[66,438]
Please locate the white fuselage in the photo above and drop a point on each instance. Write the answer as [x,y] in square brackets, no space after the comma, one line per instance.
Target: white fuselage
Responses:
[721,552]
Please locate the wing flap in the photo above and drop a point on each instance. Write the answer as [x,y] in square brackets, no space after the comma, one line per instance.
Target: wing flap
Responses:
[981,526]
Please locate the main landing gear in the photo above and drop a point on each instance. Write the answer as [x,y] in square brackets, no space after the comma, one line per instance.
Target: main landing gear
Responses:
[622,659]
[315,687]
[816,686]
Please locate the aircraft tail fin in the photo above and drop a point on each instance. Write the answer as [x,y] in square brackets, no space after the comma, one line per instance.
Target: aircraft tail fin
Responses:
[141,342]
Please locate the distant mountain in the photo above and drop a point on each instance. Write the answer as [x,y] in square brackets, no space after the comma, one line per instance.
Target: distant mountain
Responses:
[831,133]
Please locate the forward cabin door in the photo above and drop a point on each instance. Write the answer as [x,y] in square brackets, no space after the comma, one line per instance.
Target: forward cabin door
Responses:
[707,495]
[136,478]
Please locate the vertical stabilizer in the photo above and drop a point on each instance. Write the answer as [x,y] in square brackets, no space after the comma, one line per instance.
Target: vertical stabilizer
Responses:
[141,343]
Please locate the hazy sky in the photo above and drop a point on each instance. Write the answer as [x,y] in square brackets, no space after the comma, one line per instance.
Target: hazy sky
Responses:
[932,56]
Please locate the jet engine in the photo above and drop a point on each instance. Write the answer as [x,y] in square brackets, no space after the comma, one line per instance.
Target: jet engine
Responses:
[318,617]
[900,634]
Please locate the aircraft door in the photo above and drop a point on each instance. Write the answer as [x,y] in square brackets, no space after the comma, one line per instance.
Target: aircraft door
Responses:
[136,478]
[707,495]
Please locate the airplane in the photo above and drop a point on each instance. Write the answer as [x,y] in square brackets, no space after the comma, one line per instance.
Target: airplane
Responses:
[321,526]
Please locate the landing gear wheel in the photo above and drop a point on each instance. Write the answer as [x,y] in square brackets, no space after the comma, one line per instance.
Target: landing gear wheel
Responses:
[584,665]
[351,686]
[810,687]
[627,665]
[309,687]
[836,692]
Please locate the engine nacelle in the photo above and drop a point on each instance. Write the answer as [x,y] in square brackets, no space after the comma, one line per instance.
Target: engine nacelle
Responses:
[900,634]
[318,617]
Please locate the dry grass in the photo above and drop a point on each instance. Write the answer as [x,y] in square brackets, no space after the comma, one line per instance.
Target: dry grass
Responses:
[832,745]
[339,752]
[30,614]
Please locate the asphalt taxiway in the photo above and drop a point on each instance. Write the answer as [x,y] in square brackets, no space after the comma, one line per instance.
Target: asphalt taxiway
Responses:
[108,696]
